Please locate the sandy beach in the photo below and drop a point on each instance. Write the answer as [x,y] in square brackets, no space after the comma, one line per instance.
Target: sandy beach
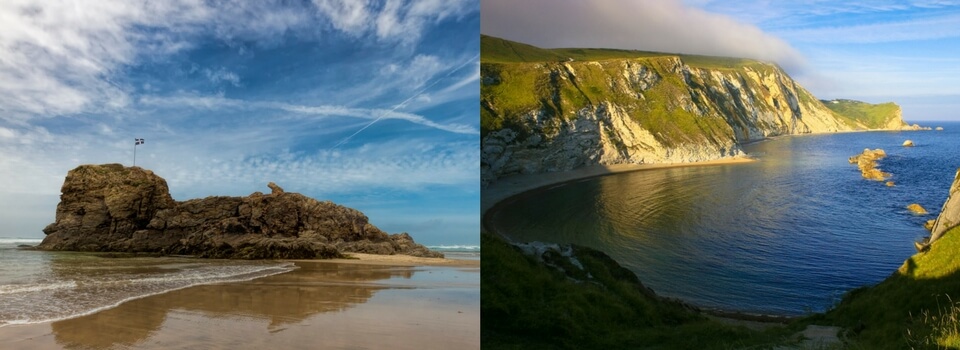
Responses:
[368,302]
[514,185]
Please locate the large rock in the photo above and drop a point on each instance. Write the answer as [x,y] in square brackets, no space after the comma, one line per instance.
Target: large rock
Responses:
[950,214]
[867,163]
[129,209]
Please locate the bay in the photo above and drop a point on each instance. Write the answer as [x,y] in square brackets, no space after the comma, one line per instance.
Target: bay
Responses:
[787,235]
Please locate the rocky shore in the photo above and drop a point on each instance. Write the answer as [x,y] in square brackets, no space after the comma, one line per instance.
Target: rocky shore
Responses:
[113,208]
[867,163]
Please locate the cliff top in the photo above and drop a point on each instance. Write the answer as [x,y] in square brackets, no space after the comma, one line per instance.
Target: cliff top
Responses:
[497,50]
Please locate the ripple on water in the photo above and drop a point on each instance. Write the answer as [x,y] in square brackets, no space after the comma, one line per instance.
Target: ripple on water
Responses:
[788,234]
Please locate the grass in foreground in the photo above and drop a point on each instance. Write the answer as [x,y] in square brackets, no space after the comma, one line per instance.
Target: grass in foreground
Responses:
[526,304]
[916,307]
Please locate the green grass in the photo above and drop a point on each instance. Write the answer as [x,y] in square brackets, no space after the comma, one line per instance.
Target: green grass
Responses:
[497,50]
[901,311]
[526,304]
[870,115]
[512,90]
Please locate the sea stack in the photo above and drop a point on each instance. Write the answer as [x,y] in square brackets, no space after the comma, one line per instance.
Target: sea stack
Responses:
[113,208]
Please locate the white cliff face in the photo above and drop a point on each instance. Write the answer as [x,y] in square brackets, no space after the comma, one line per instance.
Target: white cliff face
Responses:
[652,110]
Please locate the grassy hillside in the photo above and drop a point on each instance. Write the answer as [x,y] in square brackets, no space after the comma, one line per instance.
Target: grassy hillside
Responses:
[497,50]
[528,305]
[918,306]
[871,115]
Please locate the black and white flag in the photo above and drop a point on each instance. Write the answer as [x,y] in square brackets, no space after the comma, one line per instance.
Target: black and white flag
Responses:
[138,141]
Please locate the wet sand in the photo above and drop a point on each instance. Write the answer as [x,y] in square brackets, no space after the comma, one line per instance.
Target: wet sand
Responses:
[367,303]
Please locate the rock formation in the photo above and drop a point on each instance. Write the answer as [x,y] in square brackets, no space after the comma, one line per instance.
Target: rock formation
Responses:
[917,209]
[949,215]
[939,128]
[558,115]
[129,209]
[867,163]
[907,143]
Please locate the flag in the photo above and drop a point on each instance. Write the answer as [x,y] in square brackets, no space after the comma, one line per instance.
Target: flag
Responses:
[138,141]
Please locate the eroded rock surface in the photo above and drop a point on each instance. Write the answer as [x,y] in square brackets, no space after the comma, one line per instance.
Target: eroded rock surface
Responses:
[867,163]
[129,209]
[950,214]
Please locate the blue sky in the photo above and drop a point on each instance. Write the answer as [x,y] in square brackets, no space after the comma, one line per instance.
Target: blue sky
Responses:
[370,104]
[875,51]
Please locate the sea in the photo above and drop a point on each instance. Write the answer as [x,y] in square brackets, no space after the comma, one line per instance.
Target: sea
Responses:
[41,286]
[788,234]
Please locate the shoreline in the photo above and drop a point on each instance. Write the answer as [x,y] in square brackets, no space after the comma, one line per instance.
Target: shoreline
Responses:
[393,260]
[508,189]
[367,300]
[505,189]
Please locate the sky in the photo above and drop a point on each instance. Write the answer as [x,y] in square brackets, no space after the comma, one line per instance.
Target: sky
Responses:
[370,104]
[876,51]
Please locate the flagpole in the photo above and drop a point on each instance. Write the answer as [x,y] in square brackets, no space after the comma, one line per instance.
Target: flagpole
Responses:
[136,142]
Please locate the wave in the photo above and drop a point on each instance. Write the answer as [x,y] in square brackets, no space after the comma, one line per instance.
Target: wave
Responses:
[240,276]
[5,240]
[454,247]
[13,288]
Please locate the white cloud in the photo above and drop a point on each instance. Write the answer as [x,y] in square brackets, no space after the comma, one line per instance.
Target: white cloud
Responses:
[927,28]
[220,102]
[667,26]
[60,57]
[222,75]
[349,16]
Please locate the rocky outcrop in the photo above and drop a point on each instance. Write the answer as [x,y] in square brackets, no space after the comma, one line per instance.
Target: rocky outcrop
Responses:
[867,163]
[917,209]
[555,116]
[949,215]
[129,209]
[908,143]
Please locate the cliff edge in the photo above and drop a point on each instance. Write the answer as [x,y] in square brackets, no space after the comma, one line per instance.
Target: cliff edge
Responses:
[949,215]
[113,208]
[560,109]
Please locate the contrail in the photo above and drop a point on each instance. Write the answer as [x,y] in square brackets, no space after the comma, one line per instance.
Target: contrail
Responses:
[401,104]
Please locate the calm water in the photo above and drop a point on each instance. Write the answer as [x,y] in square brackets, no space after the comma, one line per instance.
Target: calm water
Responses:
[788,234]
[48,286]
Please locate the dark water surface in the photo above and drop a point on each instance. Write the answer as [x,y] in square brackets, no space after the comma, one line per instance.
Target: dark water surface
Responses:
[788,234]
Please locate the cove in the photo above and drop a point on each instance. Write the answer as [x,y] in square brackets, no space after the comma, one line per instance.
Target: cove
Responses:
[786,235]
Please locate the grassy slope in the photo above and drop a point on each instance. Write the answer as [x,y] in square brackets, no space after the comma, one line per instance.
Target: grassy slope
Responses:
[871,115]
[526,304]
[890,314]
[529,88]
[497,50]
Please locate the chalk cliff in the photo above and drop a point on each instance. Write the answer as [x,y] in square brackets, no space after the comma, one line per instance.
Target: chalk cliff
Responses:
[949,215]
[113,208]
[555,110]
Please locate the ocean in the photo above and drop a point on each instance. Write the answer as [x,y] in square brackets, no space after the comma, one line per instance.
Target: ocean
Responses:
[40,286]
[786,235]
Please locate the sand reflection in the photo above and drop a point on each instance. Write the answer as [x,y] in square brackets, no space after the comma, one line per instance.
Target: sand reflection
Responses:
[202,316]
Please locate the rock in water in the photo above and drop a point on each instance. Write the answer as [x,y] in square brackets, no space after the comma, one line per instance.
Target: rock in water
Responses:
[939,128]
[917,209]
[867,163]
[129,209]
[891,184]
[907,143]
